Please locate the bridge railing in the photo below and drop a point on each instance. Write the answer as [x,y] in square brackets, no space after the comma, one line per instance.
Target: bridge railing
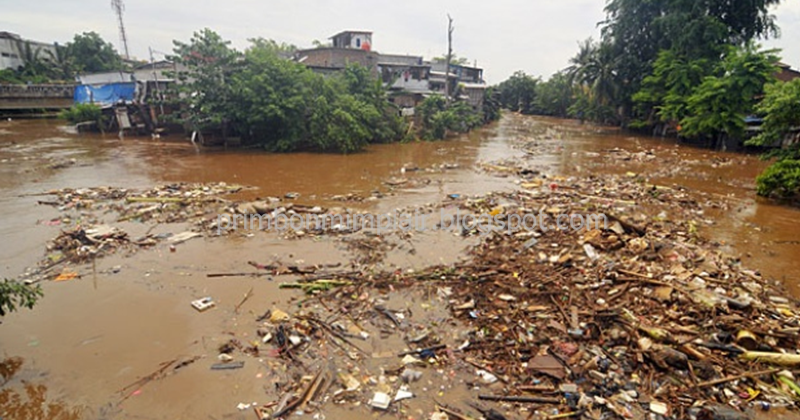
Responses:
[36,91]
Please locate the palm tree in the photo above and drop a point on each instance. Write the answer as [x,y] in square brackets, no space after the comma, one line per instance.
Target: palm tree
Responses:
[579,64]
[594,66]
[60,63]
[34,66]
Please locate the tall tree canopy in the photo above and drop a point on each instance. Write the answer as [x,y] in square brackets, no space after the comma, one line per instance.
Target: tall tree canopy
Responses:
[639,30]
[279,104]
[91,54]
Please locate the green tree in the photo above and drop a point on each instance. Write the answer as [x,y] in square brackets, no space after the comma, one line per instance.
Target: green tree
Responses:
[720,104]
[666,91]
[518,93]
[491,105]
[638,31]
[554,97]
[275,46]
[268,99]
[594,75]
[781,110]
[35,68]
[454,59]
[437,118]
[91,54]
[14,295]
[205,84]
[383,117]
[61,65]
[279,104]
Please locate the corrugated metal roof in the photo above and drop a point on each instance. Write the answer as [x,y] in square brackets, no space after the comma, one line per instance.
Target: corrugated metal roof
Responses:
[105,78]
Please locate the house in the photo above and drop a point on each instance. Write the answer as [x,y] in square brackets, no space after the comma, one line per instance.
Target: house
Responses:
[153,79]
[13,50]
[348,47]
[357,40]
[332,58]
[786,73]
[467,81]
[404,72]
[105,89]
[145,81]
[409,78]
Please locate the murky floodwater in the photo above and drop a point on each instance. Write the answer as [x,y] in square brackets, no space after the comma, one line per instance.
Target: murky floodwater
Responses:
[90,338]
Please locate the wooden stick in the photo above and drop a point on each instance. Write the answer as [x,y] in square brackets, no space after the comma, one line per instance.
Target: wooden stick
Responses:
[452,413]
[566,415]
[479,366]
[736,377]
[247,296]
[218,275]
[644,279]
[537,400]
[139,384]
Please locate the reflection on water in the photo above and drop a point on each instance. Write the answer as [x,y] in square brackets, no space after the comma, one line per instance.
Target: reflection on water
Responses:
[28,400]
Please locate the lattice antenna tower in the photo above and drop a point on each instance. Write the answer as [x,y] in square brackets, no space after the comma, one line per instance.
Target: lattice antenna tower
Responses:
[119,8]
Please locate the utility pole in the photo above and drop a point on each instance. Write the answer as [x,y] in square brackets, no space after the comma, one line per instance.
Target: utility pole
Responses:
[119,7]
[449,58]
[155,80]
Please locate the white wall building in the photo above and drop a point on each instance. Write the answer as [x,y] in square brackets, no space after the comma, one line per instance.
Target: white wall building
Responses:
[12,50]
[357,40]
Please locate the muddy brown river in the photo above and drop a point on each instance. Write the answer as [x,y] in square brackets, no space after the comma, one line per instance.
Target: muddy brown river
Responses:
[73,355]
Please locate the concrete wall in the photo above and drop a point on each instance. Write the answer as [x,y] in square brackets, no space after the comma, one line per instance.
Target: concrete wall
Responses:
[22,97]
[36,91]
[358,41]
[475,95]
[410,78]
[398,59]
[337,58]
[9,54]
[11,57]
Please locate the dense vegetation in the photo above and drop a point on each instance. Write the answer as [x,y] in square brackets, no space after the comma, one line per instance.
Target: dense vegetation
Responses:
[680,66]
[79,113]
[437,118]
[86,53]
[278,104]
[283,106]
[781,111]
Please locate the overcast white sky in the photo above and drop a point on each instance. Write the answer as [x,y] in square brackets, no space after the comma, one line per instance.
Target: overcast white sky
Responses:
[537,36]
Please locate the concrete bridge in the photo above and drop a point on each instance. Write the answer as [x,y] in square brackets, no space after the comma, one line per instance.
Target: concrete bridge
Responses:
[35,97]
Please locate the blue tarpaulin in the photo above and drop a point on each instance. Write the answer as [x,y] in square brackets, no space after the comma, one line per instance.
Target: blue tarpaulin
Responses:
[105,94]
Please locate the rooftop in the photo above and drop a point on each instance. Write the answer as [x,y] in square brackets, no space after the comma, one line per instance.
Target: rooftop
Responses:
[351,32]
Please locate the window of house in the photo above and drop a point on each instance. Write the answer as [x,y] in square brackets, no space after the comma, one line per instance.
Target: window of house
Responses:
[358,42]
[6,55]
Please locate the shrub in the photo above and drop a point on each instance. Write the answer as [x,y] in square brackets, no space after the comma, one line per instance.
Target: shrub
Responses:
[81,113]
[782,179]
[14,294]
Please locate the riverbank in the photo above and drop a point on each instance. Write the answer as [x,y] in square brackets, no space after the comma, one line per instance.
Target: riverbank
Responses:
[131,313]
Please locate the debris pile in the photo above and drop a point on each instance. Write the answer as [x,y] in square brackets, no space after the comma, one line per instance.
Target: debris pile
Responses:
[641,317]
[87,215]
